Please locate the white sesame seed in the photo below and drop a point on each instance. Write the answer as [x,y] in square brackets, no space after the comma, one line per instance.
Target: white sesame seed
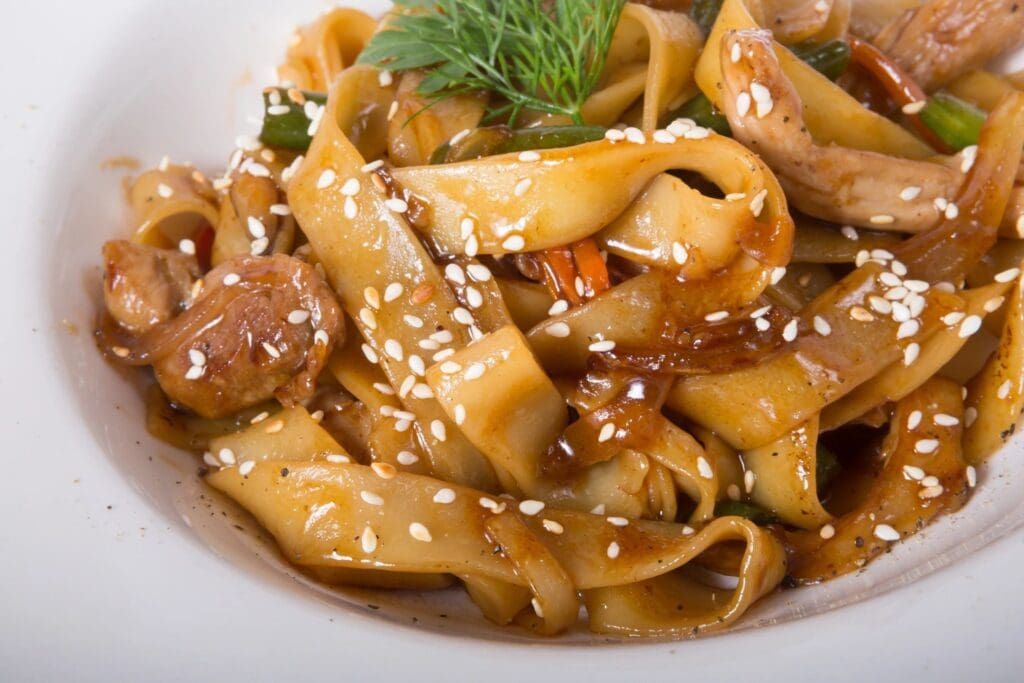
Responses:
[514,243]
[478,272]
[392,110]
[409,458]
[734,53]
[613,550]
[743,102]
[926,446]
[970,326]
[762,324]
[760,312]
[421,390]
[368,540]
[663,137]
[912,108]
[635,135]
[1007,275]
[898,268]
[531,507]
[972,476]
[392,292]
[679,253]
[916,286]
[704,468]
[777,274]
[195,372]
[397,205]
[882,219]
[558,329]
[944,420]
[164,191]
[420,532]
[993,304]
[1004,390]
[607,432]
[384,470]
[472,246]
[849,233]
[930,492]
[210,460]
[827,531]
[560,306]
[821,326]
[413,321]
[187,246]
[880,305]
[913,473]
[298,316]
[372,166]
[326,179]
[618,521]
[529,156]
[271,350]
[371,498]
[757,203]
[789,332]
[911,353]
[475,371]
[614,135]
[368,318]
[885,532]
[437,428]
[232,279]
[908,329]
[537,609]
[523,186]
[370,353]
[393,348]
[749,478]
[952,211]
[970,415]
[351,208]
[717,316]
[735,196]
[914,420]
[197,357]
[910,193]
[226,456]
[930,481]
[473,297]
[602,346]
[417,365]
[256,227]
[462,316]
[552,526]
[969,154]
[900,312]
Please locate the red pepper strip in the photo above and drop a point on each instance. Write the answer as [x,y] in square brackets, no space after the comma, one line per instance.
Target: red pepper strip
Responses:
[898,84]
[203,239]
[591,267]
[560,274]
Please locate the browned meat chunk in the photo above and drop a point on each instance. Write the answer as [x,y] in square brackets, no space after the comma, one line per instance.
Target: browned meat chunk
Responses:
[943,39]
[144,286]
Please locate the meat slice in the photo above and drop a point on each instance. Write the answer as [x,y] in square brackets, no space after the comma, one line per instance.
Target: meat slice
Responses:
[143,285]
[943,39]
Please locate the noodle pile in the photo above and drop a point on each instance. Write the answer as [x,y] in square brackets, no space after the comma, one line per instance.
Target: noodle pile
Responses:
[593,373]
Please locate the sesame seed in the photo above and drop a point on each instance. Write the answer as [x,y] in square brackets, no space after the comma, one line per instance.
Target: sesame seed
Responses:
[326,179]
[210,460]
[417,365]
[1007,275]
[197,357]
[441,355]
[882,219]
[393,348]
[473,297]
[679,253]
[226,456]
[384,470]
[777,274]
[475,371]
[370,354]
[613,550]
[970,155]
[397,205]
[743,102]
[607,432]
[970,326]
[274,427]
[271,350]
[522,187]
[762,324]
[880,305]
[529,156]
[704,467]
[913,473]
[972,476]
[912,108]
[898,268]
[930,492]
[231,279]
[437,428]
[821,326]
[351,208]
[993,304]
[164,191]
[514,243]
[970,415]
[911,353]
[560,306]
[368,540]
[602,346]
[789,332]
[1004,390]
[321,337]
[734,53]
[371,498]
[908,329]
[421,390]
[885,532]
[827,531]
[401,414]
[944,420]
[926,446]
[531,507]
[298,316]
[930,481]
[413,321]
[259,246]
[420,532]
[749,479]
[462,316]
[757,203]
[558,329]
[910,193]
[900,312]
[614,135]
[635,135]
[735,196]
[392,110]
[187,246]
[761,311]
[552,526]
[940,204]
[914,420]
[916,286]
[195,372]
[849,233]
[664,137]
[460,414]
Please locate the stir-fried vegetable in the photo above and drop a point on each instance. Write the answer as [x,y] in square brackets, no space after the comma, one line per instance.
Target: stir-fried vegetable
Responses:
[955,122]
[286,120]
[493,140]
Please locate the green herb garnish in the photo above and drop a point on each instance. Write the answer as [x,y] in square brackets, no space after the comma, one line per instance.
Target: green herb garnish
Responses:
[545,56]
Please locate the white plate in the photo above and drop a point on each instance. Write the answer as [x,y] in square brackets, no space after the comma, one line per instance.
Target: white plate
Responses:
[114,562]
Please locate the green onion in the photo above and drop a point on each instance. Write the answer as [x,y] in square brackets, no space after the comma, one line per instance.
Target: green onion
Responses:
[955,122]
[827,468]
[483,142]
[287,129]
[830,58]
[705,12]
[735,508]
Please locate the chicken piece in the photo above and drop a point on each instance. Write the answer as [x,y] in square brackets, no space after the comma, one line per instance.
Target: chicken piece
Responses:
[838,184]
[143,285]
[943,39]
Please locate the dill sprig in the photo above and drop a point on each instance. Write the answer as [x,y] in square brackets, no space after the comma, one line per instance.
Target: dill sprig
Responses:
[542,55]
